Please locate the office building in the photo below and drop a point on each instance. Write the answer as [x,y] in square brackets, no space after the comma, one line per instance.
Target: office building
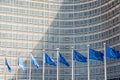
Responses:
[29,26]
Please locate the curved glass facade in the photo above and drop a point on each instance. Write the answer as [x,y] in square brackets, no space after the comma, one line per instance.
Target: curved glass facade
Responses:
[31,25]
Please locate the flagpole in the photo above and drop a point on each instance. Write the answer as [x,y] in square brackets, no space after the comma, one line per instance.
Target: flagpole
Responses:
[5,73]
[17,70]
[30,67]
[72,64]
[17,67]
[105,67]
[43,65]
[57,65]
[5,69]
[88,63]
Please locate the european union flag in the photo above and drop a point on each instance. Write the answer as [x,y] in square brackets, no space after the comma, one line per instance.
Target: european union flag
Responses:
[48,60]
[8,66]
[20,64]
[79,57]
[62,60]
[111,53]
[96,55]
[34,62]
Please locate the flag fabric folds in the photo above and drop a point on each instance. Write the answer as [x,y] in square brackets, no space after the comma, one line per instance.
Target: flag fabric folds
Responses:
[96,55]
[33,61]
[48,60]
[79,57]
[111,53]
[62,60]
[8,66]
[20,64]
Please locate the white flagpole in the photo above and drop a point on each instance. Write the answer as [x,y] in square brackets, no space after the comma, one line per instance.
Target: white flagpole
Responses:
[57,65]
[105,67]
[43,66]
[30,67]
[88,63]
[17,69]
[5,69]
[72,64]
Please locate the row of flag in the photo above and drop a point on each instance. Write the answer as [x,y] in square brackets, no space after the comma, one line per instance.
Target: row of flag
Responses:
[93,54]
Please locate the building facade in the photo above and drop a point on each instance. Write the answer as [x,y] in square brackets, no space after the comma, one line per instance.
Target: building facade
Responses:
[29,26]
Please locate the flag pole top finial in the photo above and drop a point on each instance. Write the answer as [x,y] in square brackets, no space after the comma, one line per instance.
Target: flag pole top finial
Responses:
[88,45]
[57,48]
[43,50]
[104,43]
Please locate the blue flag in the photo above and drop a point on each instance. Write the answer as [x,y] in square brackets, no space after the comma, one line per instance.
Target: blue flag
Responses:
[48,60]
[111,53]
[62,60]
[79,57]
[20,64]
[34,62]
[96,55]
[8,66]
